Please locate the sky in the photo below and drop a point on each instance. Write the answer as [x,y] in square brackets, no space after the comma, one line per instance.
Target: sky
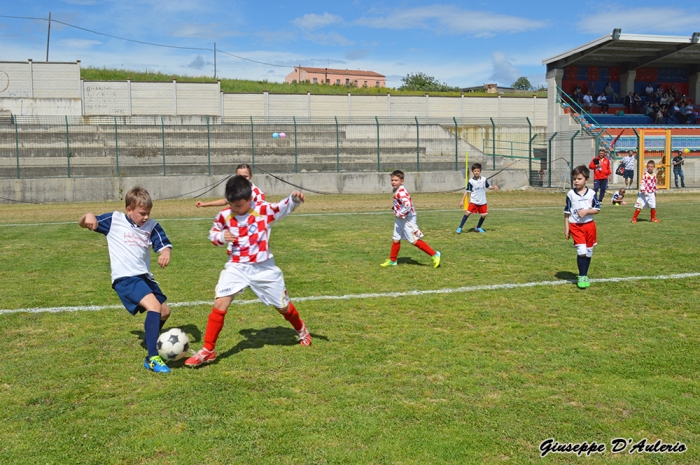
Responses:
[462,44]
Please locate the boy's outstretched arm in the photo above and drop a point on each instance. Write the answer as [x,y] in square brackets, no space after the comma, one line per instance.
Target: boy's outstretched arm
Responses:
[215,203]
[164,257]
[298,197]
[88,221]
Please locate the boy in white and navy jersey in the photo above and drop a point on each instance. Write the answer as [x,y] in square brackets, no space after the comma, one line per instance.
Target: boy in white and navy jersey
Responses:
[476,190]
[618,197]
[246,226]
[581,205]
[129,237]
[405,225]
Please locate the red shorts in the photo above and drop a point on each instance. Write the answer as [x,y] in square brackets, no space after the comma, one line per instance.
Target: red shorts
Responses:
[481,209]
[584,233]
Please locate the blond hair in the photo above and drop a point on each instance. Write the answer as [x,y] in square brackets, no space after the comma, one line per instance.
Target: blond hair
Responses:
[138,197]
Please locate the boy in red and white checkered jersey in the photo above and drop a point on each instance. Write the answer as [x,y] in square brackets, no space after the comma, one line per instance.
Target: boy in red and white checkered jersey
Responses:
[647,193]
[247,227]
[405,226]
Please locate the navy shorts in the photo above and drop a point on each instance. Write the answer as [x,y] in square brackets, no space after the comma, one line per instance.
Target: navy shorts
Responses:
[132,289]
[628,174]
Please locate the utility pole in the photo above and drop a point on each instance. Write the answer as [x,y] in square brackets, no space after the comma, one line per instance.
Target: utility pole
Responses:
[48,37]
[214,60]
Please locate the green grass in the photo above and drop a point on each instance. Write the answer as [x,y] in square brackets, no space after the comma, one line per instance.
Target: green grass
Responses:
[466,377]
[256,87]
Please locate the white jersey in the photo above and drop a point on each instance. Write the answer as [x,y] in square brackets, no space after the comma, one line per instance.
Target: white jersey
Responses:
[576,201]
[128,244]
[477,189]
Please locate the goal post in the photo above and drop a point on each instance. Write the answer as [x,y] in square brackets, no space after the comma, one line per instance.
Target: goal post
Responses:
[657,148]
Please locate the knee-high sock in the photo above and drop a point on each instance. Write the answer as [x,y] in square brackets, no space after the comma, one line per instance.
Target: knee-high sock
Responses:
[424,247]
[214,326]
[653,213]
[586,265]
[481,221]
[464,220]
[151,327]
[292,316]
[636,214]
[395,247]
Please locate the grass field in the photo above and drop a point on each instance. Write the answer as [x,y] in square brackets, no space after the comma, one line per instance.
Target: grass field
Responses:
[479,372]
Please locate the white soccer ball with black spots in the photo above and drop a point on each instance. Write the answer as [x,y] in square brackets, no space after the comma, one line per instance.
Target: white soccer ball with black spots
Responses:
[173,344]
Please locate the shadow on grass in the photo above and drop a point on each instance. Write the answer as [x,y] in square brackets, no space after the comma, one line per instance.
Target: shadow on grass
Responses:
[567,276]
[192,332]
[259,338]
[409,261]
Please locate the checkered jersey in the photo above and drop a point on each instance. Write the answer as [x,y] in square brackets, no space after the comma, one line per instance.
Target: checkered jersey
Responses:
[258,195]
[576,202]
[251,231]
[403,204]
[648,183]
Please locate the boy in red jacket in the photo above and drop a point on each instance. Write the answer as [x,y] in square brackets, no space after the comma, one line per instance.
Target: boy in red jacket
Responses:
[601,171]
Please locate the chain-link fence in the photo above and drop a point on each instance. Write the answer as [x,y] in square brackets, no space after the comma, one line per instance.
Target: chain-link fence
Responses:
[36,147]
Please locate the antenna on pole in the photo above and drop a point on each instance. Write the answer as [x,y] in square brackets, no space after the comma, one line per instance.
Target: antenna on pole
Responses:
[214,60]
[48,37]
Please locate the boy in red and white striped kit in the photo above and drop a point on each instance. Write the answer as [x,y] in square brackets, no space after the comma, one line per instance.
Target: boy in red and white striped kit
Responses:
[405,226]
[647,193]
[246,226]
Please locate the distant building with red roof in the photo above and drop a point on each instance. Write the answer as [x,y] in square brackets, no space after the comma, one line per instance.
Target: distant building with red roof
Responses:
[339,77]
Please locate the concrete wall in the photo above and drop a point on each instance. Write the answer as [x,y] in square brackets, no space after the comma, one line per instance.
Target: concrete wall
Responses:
[61,190]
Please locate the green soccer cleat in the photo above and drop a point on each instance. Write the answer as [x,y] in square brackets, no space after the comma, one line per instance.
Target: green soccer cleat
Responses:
[436,259]
[586,282]
[582,282]
[156,364]
[388,262]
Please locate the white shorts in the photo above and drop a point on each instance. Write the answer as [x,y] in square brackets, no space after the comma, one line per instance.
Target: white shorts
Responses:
[407,230]
[644,201]
[265,279]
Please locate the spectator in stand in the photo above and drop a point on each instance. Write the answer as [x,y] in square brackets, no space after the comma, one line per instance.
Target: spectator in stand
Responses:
[658,116]
[673,92]
[690,114]
[587,101]
[649,91]
[679,113]
[610,92]
[629,102]
[637,104]
[665,99]
[658,94]
[577,95]
[603,104]
[666,112]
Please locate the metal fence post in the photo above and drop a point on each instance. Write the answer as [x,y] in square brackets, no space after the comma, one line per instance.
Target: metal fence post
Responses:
[208,148]
[162,133]
[549,159]
[67,146]
[116,146]
[17,146]
[571,181]
[337,146]
[529,150]
[417,145]
[379,163]
[456,143]
[296,146]
[493,140]
[252,143]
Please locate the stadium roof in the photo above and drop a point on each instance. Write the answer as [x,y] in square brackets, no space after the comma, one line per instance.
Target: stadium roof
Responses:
[632,51]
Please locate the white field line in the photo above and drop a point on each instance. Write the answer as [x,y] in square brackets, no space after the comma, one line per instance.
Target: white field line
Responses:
[379,295]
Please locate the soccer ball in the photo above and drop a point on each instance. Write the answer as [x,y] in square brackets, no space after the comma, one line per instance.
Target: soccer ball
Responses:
[173,344]
[686,150]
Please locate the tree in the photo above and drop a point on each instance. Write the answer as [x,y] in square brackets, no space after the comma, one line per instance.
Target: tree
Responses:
[422,81]
[522,83]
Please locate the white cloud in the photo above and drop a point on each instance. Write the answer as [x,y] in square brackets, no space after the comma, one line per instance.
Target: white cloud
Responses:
[641,20]
[314,21]
[77,43]
[453,20]
[330,38]
[504,73]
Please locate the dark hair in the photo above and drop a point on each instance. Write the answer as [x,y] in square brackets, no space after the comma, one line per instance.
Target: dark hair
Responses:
[398,174]
[238,188]
[475,166]
[582,170]
[651,162]
[245,166]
